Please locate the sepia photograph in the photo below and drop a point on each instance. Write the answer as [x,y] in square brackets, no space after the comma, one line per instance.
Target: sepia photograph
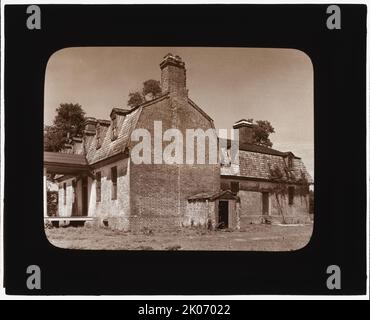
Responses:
[184,152]
[178,149]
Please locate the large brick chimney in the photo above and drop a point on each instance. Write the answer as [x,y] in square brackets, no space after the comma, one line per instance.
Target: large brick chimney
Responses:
[173,77]
[246,132]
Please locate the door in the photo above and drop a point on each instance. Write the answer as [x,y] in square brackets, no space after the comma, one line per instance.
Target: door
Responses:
[265,203]
[74,199]
[84,196]
[223,214]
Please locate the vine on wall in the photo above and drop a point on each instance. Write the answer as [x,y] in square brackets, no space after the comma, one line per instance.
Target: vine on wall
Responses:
[282,179]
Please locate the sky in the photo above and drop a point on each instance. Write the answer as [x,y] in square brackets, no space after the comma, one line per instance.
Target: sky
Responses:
[229,84]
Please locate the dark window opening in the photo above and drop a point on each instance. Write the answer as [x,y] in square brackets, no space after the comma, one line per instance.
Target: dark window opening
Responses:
[265,203]
[64,193]
[114,182]
[85,199]
[290,162]
[114,128]
[98,138]
[74,198]
[291,195]
[234,187]
[98,186]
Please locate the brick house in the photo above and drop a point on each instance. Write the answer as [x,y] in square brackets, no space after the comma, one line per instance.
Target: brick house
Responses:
[100,184]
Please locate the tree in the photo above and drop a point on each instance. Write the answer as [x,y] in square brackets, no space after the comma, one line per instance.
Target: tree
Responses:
[70,118]
[151,90]
[68,123]
[152,87]
[262,131]
[134,99]
[53,139]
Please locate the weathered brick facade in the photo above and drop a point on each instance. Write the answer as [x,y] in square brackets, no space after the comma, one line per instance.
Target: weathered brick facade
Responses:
[161,190]
[271,185]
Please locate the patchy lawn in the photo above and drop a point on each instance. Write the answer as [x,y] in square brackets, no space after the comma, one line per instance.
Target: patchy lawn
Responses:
[253,237]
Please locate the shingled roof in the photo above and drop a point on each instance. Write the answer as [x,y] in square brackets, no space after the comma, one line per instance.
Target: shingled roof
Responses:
[109,147]
[257,148]
[254,161]
[268,164]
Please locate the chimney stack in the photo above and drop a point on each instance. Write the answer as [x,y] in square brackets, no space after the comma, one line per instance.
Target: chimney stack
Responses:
[173,77]
[90,126]
[246,132]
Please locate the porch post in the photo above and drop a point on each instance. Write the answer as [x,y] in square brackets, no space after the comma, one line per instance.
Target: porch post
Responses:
[45,195]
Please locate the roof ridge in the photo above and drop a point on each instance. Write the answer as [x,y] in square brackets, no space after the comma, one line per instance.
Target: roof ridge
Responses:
[200,109]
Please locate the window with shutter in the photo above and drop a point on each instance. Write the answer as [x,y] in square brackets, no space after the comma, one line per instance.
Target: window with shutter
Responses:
[98,186]
[114,182]
[114,128]
[291,195]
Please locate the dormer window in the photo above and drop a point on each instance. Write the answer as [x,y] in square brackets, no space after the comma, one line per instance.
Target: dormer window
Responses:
[290,162]
[114,131]
[98,136]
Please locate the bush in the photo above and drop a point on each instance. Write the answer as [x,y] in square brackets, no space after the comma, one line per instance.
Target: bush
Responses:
[52,203]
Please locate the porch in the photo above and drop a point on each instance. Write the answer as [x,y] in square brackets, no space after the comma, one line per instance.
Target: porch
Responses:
[69,166]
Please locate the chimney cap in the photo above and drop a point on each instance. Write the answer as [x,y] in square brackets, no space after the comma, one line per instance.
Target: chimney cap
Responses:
[90,120]
[90,126]
[243,123]
[77,139]
[103,122]
[173,60]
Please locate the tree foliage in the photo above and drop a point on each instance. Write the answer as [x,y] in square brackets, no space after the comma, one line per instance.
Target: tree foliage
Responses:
[135,99]
[68,123]
[262,131]
[53,139]
[151,90]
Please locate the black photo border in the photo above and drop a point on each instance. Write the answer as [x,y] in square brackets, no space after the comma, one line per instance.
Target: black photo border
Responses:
[339,236]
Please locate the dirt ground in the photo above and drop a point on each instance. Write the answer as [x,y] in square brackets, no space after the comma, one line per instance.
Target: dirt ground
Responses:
[251,238]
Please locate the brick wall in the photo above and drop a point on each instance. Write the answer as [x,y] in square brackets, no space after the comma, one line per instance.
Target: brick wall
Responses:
[250,193]
[162,189]
[198,213]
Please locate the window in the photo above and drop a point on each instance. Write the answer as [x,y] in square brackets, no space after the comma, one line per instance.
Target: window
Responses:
[234,187]
[98,186]
[98,136]
[114,128]
[113,172]
[64,193]
[290,162]
[291,195]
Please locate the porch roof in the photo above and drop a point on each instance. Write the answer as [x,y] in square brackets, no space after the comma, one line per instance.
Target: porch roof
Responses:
[226,194]
[58,162]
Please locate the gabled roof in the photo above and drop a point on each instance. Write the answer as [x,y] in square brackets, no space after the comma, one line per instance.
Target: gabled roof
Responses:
[126,124]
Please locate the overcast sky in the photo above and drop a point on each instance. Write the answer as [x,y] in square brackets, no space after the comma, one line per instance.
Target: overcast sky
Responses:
[227,83]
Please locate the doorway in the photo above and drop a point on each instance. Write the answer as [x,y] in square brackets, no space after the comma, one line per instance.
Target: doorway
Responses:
[265,203]
[223,214]
[84,196]
[74,198]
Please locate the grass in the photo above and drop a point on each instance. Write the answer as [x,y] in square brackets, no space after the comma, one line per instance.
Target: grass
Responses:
[252,238]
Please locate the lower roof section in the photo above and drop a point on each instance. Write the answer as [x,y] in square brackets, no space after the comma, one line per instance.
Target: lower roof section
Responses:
[63,163]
